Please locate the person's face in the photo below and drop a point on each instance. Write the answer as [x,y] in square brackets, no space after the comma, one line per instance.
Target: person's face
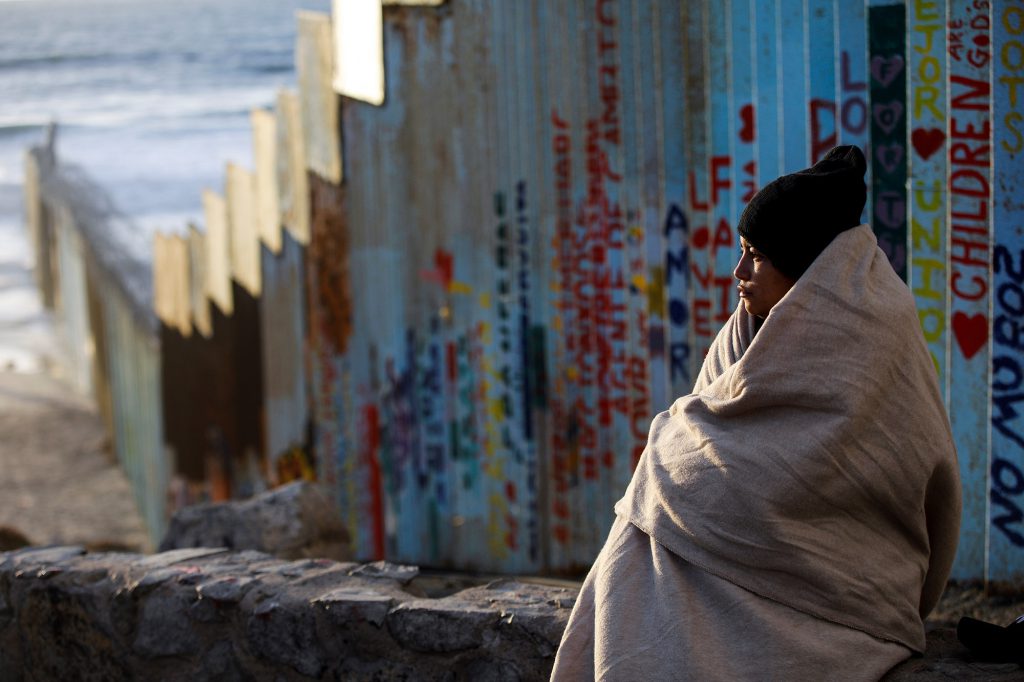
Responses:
[761,284]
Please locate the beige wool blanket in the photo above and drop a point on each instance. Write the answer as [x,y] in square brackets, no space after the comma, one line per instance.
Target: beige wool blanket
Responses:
[813,464]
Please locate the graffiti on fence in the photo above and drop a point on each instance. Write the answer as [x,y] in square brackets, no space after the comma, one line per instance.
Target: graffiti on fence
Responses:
[1006,472]
[969,158]
[888,78]
[928,193]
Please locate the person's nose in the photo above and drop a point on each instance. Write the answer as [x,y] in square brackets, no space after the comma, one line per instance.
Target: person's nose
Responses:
[742,269]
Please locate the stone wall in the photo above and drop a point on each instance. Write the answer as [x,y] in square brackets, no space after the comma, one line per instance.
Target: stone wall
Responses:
[205,614]
[214,614]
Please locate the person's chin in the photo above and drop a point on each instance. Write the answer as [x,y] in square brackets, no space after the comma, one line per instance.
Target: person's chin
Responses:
[753,309]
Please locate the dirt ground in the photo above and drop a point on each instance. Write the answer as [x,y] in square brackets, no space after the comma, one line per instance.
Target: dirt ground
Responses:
[59,483]
[998,605]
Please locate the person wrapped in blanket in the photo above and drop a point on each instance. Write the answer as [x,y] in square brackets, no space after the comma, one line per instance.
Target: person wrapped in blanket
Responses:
[795,517]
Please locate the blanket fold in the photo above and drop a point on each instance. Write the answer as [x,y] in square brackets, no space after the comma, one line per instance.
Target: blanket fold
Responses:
[813,463]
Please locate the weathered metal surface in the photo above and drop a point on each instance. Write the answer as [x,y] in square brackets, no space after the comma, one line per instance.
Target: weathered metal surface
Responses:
[38,224]
[268,194]
[358,49]
[970,265]
[595,178]
[101,372]
[71,306]
[213,405]
[532,250]
[314,63]
[134,357]
[888,99]
[283,327]
[243,228]
[161,291]
[928,201]
[218,251]
[199,304]
[172,282]
[292,184]
[697,162]
[1006,473]
[329,329]
[103,314]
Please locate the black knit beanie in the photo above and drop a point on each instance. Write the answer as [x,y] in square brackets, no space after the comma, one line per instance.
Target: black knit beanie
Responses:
[793,218]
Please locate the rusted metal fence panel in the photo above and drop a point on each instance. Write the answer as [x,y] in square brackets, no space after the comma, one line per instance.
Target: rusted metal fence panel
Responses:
[314,63]
[267,164]
[283,329]
[293,187]
[329,298]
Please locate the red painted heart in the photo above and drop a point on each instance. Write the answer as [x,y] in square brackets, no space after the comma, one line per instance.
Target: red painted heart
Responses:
[927,141]
[971,332]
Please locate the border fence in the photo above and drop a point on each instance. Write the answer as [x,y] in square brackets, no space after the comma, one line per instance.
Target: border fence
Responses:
[462,278]
[100,289]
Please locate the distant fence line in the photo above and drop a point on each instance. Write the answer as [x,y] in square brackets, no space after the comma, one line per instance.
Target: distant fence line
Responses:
[487,285]
[101,292]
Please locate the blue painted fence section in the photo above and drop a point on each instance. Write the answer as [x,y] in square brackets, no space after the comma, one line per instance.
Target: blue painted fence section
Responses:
[1006,471]
[623,158]
[533,243]
[969,145]
[660,122]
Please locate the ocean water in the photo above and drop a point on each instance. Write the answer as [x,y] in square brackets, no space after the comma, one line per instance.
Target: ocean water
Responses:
[150,97]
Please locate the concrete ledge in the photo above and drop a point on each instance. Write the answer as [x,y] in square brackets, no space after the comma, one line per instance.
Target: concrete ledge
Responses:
[198,614]
[205,614]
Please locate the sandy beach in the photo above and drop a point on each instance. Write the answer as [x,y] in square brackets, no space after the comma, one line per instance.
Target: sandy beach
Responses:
[59,483]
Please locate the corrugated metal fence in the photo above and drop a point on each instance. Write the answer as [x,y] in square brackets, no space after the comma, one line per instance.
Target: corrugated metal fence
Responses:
[100,293]
[490,283]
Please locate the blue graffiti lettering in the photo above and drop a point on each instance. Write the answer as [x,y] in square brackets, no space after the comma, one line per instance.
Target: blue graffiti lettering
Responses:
[1002,260]
[1007,480]
[679,353]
